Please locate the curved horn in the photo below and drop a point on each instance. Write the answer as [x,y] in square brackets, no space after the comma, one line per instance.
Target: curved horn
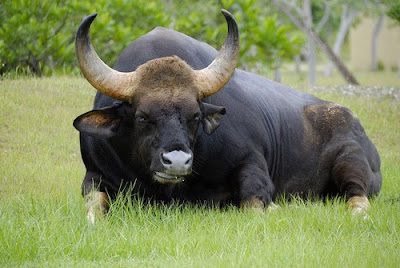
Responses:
[117,85]
[212,78]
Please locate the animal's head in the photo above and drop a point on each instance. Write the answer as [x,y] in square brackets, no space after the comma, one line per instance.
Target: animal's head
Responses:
[160,103]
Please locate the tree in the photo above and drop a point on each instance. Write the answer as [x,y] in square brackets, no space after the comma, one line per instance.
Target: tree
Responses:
[374,41]
[264,41]
[393,12]
[301,20]
[375,8]
[307,17]
[40,40]
[347,17]
[35,38]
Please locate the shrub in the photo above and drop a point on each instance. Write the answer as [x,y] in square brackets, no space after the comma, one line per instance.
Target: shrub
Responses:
[41,38]
[38,36]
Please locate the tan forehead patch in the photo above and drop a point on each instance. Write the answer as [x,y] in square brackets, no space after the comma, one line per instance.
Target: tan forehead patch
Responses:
[166,74]
[166,99]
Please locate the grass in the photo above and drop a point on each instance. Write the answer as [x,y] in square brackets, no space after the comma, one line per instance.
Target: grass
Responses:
[42,215]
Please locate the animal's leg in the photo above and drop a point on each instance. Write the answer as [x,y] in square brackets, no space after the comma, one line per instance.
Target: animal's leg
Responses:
[97,204]
[254,187]
[97,201]
[353,175]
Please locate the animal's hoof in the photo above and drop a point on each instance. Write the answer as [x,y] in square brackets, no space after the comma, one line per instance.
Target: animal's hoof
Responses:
[358,206]
[97,205]
[91,217]
[253,204]
[272,207]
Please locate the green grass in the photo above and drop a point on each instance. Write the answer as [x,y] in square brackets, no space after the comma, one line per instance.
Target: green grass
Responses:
[42,215]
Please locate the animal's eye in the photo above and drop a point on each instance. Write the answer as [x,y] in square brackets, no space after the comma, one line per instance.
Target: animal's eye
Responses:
[142,119]
[195,117]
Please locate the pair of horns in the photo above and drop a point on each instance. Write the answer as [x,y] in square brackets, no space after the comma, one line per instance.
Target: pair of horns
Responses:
[121,86]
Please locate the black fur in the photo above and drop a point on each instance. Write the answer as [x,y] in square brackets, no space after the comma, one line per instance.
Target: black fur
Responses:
[272,140]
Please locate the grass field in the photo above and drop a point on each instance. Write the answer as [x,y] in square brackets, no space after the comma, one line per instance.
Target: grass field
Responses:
[42,214]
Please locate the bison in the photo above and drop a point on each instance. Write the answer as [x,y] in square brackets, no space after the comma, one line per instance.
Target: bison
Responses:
[175,120]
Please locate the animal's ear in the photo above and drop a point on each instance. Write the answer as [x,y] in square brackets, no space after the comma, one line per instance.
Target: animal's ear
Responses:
[102,123]
[211,117]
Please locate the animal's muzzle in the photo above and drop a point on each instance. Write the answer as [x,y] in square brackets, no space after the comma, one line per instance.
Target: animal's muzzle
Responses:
[176,164]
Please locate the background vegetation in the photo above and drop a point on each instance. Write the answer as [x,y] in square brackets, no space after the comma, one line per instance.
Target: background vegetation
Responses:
[40,39]
[36,37]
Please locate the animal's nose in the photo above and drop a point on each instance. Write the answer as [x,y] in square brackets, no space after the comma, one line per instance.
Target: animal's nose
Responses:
[176,162]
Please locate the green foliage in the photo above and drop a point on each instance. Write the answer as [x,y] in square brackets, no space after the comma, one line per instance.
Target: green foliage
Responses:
[264,38]
[33,35]
[40,40]
[333,23]
[120,22]
[272,42]
[394,12]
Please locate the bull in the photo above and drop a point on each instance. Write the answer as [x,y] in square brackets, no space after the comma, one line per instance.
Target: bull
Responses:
[175,120]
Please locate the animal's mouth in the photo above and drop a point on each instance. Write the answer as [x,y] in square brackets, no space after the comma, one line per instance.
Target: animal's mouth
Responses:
[165,178]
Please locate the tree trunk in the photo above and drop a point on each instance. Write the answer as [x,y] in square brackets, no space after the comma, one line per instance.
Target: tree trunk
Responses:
[277,71]
[321,43]
[347,75]
[398,68]
[277,75]
[310,42]
[34,65]
[374,47]
[297,62]
[347,18]
[325,18]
